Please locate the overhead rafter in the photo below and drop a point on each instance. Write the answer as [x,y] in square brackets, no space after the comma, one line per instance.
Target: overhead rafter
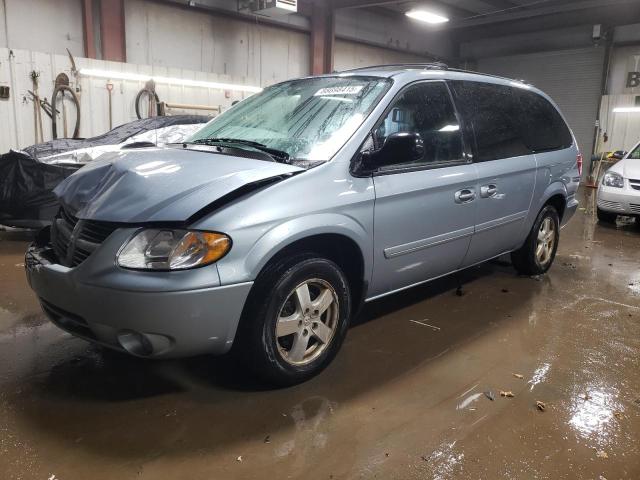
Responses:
[437,5]
[549,9]
[501,4]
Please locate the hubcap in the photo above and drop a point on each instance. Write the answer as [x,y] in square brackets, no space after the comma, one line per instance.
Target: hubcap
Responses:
[307,321]
[546,241]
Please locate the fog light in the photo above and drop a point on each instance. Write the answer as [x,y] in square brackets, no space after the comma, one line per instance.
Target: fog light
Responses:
[135,343]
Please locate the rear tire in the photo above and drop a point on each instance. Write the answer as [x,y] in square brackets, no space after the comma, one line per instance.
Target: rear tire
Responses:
[606,217]
[295,320]
[536,256]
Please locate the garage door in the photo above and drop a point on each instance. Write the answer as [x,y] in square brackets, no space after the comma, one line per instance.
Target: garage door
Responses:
[571,77]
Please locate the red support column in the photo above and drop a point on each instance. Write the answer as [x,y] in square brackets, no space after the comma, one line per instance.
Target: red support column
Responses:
[87,30]
[322,39]
[112,29]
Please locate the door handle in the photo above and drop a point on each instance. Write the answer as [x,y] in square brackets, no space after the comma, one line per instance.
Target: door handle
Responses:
[465,195]
[487,191]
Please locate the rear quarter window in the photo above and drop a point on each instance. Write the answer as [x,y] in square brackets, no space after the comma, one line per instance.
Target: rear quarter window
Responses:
[509,121]
[544,127]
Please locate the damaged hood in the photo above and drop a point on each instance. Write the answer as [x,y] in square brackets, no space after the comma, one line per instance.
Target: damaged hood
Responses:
[159,184]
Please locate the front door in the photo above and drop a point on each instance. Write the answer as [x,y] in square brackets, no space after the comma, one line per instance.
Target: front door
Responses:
[424,209]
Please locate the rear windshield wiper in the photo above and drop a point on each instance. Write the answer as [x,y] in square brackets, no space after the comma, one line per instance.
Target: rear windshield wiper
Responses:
[278,155]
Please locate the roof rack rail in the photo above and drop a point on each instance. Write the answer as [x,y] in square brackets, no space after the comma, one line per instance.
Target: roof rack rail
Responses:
[425,66]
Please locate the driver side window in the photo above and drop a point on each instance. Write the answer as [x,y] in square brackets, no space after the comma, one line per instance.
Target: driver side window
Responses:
[425,109]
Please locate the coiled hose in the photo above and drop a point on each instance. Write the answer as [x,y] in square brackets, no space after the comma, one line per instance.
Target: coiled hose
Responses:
[54,100]
[150,93]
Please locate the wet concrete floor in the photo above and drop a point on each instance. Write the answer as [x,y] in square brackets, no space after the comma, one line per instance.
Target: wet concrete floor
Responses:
[404,398]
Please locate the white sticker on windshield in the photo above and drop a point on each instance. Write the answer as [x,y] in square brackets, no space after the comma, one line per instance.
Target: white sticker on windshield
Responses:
[338,91]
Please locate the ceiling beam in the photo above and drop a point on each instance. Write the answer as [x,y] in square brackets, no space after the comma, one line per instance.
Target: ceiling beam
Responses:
[438,6]
[502,4]
[364,3]
[536,12]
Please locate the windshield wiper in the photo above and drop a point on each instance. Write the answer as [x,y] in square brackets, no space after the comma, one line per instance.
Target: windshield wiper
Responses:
[278,155]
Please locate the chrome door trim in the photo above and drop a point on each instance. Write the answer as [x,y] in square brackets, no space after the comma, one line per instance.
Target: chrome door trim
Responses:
[498,222]
[405,248]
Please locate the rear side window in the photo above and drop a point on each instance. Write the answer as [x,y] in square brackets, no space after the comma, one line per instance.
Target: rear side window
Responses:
[496,118]
[424,108]
[545,129]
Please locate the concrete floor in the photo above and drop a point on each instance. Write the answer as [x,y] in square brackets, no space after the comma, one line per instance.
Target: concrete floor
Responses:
[402,400]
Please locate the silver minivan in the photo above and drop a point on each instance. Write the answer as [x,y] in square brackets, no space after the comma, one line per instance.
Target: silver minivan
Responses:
[268,228]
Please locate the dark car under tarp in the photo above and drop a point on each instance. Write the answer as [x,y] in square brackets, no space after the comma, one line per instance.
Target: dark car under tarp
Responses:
[28,177]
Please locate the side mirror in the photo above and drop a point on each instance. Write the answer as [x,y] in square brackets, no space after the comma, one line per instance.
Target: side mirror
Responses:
[400,147]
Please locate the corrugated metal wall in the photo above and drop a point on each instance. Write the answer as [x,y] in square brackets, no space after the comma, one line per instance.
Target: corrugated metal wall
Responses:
[571,77]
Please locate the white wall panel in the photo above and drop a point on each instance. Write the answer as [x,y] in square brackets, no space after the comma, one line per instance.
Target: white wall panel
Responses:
[42,25]
[623,129]
[353,55]
[17,113]
[164,35]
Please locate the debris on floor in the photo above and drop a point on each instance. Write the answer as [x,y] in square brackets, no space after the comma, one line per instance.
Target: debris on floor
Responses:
[505,290]
[267,439]
[425,324]
[602,454]
[239,459]
[490,395]
[518,375]
[508,394]
[541,405]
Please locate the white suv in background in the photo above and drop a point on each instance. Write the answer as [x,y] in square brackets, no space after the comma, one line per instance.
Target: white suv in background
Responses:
[619,191]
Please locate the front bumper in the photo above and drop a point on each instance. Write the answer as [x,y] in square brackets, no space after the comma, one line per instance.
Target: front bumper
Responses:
[623,201]
[151,314]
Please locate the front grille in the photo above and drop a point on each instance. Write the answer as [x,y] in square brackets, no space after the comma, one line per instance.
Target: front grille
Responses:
[611,205]
[73,239]
[66,320]
[635,184]
[634,207]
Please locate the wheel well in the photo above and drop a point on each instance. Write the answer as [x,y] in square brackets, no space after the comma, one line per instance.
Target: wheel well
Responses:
[559,203]
[338,248]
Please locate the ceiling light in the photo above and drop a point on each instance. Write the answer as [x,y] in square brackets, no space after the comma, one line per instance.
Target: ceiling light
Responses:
[627,110]
[115,75]
[425,16]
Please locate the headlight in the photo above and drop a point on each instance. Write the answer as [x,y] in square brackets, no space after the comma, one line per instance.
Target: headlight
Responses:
[162,249]
[612,179]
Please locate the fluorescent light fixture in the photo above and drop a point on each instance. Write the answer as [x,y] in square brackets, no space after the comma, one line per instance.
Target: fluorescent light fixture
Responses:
[626,110]
[115,75]
[425,16]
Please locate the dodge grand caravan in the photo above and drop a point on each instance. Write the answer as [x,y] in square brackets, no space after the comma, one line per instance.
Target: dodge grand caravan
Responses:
[267,228]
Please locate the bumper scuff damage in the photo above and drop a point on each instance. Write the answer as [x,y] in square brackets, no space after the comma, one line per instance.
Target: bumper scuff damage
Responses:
[148,315]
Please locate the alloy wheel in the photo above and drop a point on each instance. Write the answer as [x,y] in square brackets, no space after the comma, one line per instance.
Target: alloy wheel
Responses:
[307,321]
[546,241]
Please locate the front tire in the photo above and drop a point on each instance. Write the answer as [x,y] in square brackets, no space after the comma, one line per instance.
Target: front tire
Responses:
[606,217]
[296,319]
[536,256]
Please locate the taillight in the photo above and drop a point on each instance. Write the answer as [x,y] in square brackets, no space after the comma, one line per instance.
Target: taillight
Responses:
[579,162]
